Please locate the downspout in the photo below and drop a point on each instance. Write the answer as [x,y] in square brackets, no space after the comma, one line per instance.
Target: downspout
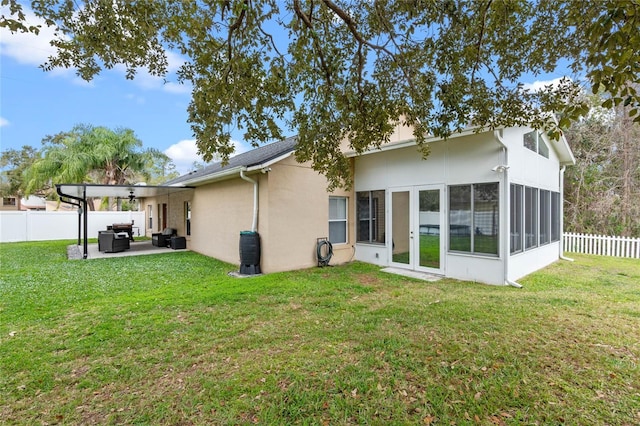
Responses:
[505,197]
[85,246]
[561,254]
[79,206]
[254,225]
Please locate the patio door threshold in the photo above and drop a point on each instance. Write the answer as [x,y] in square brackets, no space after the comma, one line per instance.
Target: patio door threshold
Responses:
[410,273]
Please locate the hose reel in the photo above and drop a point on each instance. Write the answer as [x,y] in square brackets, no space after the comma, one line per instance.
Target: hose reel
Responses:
[324,251]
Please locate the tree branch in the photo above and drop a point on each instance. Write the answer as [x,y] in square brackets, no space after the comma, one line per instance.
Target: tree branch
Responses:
[352,27]
[234,27]
[407,76]
[480,40]
[307,21]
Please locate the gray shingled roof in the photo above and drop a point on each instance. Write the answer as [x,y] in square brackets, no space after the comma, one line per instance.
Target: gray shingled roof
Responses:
[255,157]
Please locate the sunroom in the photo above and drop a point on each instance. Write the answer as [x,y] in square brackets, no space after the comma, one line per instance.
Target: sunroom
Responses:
[484,206]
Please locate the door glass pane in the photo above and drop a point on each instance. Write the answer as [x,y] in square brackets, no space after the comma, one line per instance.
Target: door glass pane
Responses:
[430,228]
[400,231]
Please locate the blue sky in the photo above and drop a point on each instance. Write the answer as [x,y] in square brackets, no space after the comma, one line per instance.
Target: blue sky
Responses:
[34,103]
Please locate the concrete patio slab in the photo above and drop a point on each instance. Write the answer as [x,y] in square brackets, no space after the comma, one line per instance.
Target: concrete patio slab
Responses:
[138,248]
[413,274]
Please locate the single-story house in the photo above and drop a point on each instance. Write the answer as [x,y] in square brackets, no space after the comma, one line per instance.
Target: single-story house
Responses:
[32,202]
[484,206]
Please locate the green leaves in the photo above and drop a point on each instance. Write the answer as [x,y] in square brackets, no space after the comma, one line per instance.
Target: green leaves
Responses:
[90,154]
[330,70]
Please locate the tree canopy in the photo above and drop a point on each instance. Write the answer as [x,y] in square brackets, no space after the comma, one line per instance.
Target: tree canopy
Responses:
[91,154]
[602,191]
[13,163]
[334,70]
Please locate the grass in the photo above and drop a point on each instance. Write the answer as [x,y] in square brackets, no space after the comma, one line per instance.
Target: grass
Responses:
[172,339]
[482,243]
[429,252]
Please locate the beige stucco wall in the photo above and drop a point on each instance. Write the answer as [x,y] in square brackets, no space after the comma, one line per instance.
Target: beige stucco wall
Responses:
[293,212]
[219,212]
[297,215]
[401,133]
[175,212]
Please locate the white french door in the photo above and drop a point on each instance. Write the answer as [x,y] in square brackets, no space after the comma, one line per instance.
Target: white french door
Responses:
[416,228]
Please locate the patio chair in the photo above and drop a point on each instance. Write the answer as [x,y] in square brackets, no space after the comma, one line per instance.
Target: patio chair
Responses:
[163,239]
[111,242]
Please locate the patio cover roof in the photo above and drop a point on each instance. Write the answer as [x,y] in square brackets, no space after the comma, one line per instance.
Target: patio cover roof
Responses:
[80,191]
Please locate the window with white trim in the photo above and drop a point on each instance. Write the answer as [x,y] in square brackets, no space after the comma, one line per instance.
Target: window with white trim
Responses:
[535,142]
[338,220]
[370,217]
[516,223]
[530,217]
[187,217]
[474,218]
[555,216]
[540,209]
[545,216]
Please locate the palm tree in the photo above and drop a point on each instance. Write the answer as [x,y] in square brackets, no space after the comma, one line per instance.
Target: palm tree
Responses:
[88,154]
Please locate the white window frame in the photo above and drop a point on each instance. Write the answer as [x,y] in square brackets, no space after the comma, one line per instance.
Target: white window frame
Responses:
[187,217]
[531,218]
[344,220]
[540,147]
[516,211]
[473,225]
[544,218]
[373,216]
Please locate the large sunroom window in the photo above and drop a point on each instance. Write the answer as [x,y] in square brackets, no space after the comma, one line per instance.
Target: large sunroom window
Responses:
[370,213]
[540,209]
[516,222]
[474,218]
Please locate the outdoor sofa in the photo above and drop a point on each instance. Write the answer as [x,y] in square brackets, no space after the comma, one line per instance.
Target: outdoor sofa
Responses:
[163,239]
[112,242]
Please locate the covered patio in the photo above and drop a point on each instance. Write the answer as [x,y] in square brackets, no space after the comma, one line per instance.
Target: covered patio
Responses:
[77,194]
[137,248]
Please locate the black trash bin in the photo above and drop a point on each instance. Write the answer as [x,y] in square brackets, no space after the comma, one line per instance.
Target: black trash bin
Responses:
[249,253]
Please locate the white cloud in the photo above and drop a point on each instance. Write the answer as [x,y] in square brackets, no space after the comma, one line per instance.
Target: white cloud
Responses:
[541,84]
[3,122]
[32,49]
[185,150]
[177,88]
[185,153]
[175,61]
[147,81]
[240,147]
[27,48]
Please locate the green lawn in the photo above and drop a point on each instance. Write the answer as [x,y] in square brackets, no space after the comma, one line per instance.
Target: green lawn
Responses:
[171,339]
[429,252]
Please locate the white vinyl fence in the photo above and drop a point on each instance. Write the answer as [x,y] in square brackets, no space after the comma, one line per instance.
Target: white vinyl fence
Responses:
[602,245]
[42,225]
